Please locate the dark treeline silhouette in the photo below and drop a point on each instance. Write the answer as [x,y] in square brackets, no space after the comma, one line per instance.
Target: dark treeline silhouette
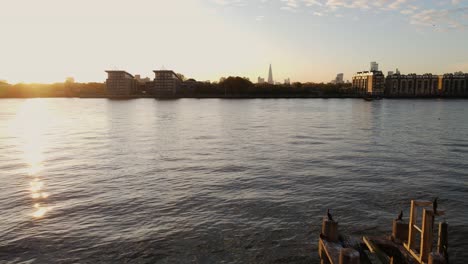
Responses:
[243,87]
[227,87]
[31,90]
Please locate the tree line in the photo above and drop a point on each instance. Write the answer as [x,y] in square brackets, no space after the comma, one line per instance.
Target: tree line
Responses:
[227,87]
[31,90]
[243,87]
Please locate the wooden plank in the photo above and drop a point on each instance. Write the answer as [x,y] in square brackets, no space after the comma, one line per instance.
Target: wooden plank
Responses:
[411,232]
[407,255]
[417,228]
[415,255]
[427,234]
[332,250]
[373,258]
[442,242]
[374,249]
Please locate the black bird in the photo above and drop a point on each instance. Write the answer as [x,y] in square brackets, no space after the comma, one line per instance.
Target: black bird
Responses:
[400,216]
[329,215]
[434,205]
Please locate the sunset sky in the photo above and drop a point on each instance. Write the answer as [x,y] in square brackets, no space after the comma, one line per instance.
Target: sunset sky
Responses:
[306,40]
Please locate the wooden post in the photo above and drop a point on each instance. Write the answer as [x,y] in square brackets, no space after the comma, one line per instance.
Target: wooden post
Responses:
[442,242]
[426,237]
[349,256]
[400,231]
[436,258]
[330,230]
[412,231]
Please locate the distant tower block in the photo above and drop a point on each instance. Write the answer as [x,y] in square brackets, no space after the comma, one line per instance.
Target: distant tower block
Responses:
[270,76]
[374,66]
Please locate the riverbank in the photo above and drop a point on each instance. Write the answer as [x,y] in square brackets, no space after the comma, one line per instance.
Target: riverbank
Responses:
[238,97]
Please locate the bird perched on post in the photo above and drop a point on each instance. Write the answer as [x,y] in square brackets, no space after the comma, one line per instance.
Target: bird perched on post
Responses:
[330,218]
[434,205]
[400,216]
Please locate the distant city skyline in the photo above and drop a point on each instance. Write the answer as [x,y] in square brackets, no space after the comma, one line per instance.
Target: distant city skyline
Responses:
[208,39]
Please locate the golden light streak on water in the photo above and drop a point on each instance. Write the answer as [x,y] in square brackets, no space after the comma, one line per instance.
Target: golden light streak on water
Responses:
[30,125]
[40,211]
[36,186]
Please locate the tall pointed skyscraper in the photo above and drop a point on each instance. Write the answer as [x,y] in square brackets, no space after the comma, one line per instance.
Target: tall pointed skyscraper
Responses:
[270,76]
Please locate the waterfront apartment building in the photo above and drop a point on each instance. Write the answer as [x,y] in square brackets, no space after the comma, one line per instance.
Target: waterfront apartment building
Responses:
[455,84]
[410,85]
[369,83]
[120,84]
[166,83]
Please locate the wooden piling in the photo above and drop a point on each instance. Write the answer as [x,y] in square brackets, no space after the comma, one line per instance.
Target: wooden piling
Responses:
[426,234]
[442,242]
[436,258]
[349,256]
[400,231]
[330,230]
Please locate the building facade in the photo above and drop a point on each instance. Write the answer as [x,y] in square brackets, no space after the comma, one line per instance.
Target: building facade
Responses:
[369,83]
[410,85]
[121,84]
[166,83]
[455,84]
[339,78]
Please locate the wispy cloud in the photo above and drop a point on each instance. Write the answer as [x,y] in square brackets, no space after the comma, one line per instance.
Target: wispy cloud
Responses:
[259,18]
[290,5]
[417,12]
[456,18]
[239,3]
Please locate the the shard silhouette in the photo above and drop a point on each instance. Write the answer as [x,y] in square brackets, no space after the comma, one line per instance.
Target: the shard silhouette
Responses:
[270,76]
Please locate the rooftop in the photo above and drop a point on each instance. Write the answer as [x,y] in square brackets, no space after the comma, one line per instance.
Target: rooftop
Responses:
[119,71]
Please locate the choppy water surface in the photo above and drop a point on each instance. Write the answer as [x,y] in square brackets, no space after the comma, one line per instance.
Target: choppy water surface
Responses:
[220,181]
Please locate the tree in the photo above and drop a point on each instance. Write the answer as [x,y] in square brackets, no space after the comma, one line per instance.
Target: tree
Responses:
[236,85]
[182,77]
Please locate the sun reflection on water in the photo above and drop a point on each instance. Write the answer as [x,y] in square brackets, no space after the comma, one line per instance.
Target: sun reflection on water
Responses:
[30,127]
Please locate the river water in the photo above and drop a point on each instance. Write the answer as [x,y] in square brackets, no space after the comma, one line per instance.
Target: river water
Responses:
[220,181]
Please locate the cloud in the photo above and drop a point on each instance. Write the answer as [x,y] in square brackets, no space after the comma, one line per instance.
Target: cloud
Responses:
[290,5]
[312,3]
[441,19]
[396,4]
[407,11]
[417,12]
[238,3]
[259,18]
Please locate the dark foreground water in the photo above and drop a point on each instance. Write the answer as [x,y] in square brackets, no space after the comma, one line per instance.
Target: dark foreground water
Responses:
[220,181]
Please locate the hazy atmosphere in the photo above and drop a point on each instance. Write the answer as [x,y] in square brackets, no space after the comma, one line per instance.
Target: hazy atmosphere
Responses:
[234,131]
[305,40]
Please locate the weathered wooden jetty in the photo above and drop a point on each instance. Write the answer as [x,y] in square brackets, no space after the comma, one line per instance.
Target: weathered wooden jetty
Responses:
[409,243]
